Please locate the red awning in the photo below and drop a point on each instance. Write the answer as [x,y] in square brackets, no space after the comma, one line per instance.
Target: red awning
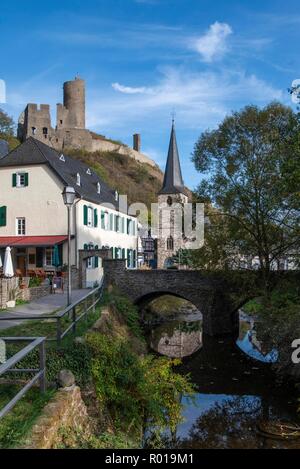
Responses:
[23,241]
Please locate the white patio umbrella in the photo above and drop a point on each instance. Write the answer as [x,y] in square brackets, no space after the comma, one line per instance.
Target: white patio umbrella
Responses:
[8,270]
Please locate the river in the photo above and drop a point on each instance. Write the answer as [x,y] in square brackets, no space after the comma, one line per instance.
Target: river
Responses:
[236,392]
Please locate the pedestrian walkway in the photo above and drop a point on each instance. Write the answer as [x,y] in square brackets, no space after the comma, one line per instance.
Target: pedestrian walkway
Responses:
[43,306]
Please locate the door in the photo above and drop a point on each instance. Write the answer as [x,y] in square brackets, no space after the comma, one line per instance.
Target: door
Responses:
[21,264]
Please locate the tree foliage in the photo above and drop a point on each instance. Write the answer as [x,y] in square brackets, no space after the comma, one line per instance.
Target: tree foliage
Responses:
[251,165]
[136,389]
[7,125]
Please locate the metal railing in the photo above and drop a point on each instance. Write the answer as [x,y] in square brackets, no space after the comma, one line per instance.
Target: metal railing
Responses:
[69,313]
[39,373]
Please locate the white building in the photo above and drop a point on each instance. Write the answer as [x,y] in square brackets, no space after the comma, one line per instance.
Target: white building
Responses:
[33,217]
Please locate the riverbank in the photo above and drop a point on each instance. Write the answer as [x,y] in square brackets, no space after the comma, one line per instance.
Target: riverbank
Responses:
[123,387]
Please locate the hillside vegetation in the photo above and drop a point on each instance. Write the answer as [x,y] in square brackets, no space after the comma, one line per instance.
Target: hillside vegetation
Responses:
[139,181]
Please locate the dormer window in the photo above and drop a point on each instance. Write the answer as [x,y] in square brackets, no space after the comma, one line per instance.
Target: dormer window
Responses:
[98,188]
[116,196]
[88,171]
[62,158]
[78,179]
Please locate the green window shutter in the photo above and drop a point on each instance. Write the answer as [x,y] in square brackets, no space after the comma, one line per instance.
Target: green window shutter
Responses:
[3,211]
[85,215]
[14,180]
[116,223]
[112,252]
[26,179]
[111,222]
[134,259]
[95,218]
[96,262]
[128,257]
[123,253]
[123,225]
[128,226]
[102,220]
[85,247]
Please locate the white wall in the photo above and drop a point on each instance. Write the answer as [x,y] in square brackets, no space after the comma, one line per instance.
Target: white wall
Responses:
[42,206]
[40,202]
[100,237]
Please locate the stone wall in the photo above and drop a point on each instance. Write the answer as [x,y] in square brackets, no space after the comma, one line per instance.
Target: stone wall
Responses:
[66,411]
[31,294]
[7,285]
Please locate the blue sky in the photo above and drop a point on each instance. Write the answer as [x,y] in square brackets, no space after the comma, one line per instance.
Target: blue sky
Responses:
[143,59]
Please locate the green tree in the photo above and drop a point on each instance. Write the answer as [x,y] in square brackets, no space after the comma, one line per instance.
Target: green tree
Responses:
[7,125]
[251,168]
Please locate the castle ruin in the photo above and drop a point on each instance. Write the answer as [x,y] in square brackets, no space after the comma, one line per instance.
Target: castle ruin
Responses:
[70,130]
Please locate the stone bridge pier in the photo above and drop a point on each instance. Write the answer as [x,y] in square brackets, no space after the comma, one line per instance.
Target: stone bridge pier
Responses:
[209,295]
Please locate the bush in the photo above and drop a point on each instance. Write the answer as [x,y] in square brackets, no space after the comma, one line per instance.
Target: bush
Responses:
[136,390]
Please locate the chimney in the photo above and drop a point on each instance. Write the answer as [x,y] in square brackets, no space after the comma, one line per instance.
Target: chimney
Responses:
[4,148]
[137,142]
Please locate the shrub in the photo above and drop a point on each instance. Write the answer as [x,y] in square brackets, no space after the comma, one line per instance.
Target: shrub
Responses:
[136,390]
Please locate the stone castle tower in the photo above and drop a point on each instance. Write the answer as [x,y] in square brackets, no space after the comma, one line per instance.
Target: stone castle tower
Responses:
[70,130]
[171,200]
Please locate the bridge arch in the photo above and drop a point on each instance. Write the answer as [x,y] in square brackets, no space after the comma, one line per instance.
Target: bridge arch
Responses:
[207,294]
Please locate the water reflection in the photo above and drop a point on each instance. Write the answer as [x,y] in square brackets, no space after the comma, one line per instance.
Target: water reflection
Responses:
[227,422]
[235,394]
[249,343]
[177,339]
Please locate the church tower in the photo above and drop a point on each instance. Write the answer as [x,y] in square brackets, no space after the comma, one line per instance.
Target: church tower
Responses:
[171,200]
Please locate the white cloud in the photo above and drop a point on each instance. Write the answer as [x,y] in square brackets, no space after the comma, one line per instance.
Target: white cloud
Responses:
[201,100]
[213,43]
[131,90]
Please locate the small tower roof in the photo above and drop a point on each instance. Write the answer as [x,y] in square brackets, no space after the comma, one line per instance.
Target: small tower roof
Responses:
[173,181]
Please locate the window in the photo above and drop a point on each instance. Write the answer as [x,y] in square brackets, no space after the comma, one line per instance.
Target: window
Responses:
[45,132]
[78,179]
[104,220]
[48,256]
[111,221]
[90,217]
[170,244]
[89,263]
[33,130]
[98,188]
[117,223]
[21,226]
[129,226]
[169,201]
[61,121]
[20,179]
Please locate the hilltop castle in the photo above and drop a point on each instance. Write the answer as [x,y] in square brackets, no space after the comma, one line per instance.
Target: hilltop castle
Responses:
[70,130]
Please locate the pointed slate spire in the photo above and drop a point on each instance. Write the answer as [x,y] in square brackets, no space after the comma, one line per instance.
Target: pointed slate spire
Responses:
[173,182]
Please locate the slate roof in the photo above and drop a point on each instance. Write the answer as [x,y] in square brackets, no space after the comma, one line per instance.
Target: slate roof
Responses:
[173,181]
[33,152]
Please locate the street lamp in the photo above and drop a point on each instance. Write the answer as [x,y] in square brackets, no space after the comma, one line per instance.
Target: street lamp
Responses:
[68,198]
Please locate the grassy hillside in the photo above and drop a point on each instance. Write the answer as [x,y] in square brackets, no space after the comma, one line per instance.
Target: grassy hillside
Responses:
[141,182]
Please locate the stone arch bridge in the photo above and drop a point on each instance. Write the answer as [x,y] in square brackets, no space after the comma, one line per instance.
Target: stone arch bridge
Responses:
[215,297]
